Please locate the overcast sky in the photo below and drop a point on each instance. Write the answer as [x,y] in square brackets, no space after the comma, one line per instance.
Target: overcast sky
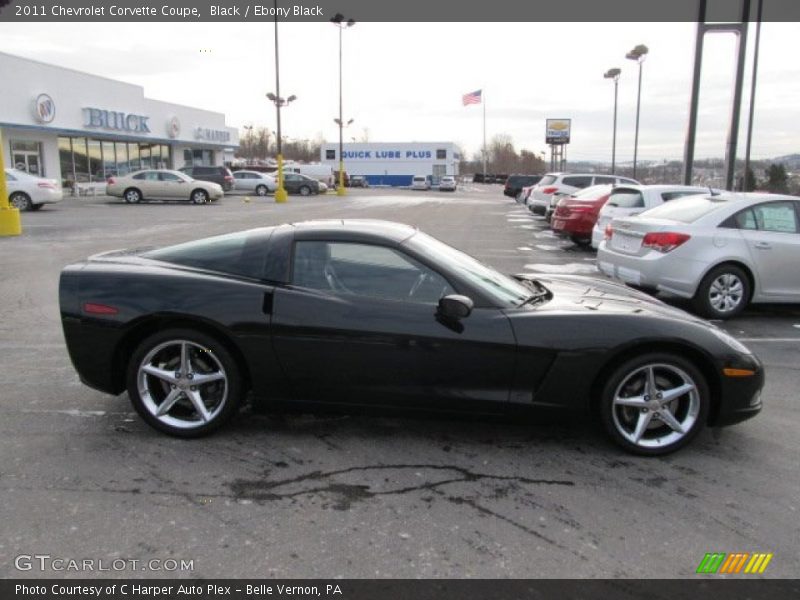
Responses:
[404,81]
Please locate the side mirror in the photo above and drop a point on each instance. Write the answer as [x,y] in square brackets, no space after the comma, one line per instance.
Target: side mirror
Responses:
[455,307]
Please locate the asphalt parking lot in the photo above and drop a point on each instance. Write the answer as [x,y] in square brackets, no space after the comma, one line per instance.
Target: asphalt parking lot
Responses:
[347,496]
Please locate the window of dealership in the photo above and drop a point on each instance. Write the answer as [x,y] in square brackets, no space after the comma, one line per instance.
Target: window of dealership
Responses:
[89,160]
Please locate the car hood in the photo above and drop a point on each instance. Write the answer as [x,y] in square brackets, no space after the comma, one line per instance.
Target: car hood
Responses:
[577,293]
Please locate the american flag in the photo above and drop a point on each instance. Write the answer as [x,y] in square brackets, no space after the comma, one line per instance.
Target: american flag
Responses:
[472,98]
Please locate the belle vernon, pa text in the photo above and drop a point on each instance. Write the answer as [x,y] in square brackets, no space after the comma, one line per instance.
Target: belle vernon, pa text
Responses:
[155,591]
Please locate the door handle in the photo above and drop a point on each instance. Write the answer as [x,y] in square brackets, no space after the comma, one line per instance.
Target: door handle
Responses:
[763,245]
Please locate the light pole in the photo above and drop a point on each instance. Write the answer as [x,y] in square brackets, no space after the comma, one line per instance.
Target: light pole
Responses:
[614,74]
[638,54]
[340,22]
[280,191]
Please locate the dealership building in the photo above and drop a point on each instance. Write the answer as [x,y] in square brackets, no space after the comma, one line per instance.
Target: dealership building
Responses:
[75,127]
[394,163]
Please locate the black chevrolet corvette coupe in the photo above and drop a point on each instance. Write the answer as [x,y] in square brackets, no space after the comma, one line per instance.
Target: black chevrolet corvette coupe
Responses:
[377,314]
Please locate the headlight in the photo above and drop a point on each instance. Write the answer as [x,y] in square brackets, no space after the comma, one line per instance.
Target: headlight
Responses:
[730,340]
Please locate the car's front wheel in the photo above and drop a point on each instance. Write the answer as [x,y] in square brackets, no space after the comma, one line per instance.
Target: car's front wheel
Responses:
[20,201]
[723,293]
[654,404]
[305,190]
[261,190]
[184,382]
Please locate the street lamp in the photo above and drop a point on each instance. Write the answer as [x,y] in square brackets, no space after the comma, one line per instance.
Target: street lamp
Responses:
[280,193]
[614,74]
[340,22]
[638,54]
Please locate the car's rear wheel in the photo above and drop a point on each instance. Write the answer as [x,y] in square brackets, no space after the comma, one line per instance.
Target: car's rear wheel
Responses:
[199,197]
[21,201]
[655,404]
[261,190]
[132,196]
[305,190]
[723,293]
[184,382]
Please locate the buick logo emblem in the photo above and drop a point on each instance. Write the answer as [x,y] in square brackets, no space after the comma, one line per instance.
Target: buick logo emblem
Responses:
[44,109]
[173,127]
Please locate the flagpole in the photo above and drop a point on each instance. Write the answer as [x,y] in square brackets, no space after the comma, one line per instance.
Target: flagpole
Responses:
[483,101]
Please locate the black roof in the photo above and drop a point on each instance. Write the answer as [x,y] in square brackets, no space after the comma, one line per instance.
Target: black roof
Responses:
[366,229]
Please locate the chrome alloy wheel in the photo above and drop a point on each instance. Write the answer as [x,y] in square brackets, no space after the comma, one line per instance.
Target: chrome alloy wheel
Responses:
[656,405]
[726,292]
[182,384]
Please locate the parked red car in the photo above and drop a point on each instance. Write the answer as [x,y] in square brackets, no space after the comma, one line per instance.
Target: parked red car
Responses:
[575,215]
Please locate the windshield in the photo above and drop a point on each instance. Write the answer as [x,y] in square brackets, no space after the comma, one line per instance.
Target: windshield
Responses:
[502,288]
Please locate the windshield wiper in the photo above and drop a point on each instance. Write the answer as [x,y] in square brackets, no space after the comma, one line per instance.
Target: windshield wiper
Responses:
[535,297]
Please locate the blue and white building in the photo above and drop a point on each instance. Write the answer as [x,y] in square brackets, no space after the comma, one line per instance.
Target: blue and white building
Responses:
[394,164]
[73,126]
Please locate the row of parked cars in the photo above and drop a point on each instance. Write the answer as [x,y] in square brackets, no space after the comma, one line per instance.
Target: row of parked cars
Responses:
[200,187]
[721,250]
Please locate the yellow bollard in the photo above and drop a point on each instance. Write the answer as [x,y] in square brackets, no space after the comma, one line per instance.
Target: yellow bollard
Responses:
[10,223]
[280,194]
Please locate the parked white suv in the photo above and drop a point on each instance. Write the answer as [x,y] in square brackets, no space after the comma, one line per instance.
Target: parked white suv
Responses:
[567,183]
[628,200]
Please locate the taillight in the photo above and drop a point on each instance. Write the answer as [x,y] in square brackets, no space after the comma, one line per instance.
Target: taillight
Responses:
[549,190]
[608,232]
[99,309]
[111,180]
[46,185]
[664,241]
[228,178]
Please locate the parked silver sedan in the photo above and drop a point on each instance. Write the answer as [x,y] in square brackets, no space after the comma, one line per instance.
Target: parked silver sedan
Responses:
[162,184]
[722,251]
[254,181]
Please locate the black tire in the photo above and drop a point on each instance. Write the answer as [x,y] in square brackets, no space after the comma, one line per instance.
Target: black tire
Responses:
[21,201]
[582,242]
[690,409]
[212,348]
[198,196]
[305,190]
[35,207]
[132,196]
[261,190]
[716,299]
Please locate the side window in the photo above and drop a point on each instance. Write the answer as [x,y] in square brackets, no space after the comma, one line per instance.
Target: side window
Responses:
[10,177]
[142,175]
[578,181]
[745,220]
[171,177]
[604,180]
[240,175]
[366,270]
[776,216]
[151,175]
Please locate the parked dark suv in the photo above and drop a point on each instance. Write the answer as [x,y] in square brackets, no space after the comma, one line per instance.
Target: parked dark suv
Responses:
[220,175]
[516,182]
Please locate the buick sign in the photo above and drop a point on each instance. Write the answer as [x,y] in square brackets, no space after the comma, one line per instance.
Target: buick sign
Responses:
[44,109]
[116,121]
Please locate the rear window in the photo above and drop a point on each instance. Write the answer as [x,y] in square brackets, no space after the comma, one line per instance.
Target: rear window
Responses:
[686,210]
[241,253]
[419,179]
[547,180]
[592,193]
[626,199]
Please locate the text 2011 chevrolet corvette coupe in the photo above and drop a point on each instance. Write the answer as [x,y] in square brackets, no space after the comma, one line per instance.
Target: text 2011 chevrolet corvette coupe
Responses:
[378,314]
